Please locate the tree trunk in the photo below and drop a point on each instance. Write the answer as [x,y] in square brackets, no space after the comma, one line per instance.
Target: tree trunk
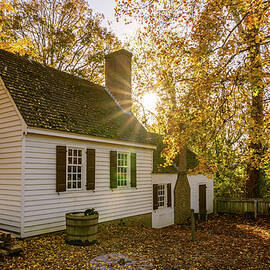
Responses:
[257,113]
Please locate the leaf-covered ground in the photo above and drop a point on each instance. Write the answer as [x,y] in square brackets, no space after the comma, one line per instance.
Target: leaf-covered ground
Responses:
[224,242]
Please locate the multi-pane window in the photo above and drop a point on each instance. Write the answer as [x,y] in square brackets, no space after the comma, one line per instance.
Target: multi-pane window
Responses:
[161,195]
[74,168]
[122,169]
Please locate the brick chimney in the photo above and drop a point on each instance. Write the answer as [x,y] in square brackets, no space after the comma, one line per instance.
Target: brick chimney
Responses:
[118,77]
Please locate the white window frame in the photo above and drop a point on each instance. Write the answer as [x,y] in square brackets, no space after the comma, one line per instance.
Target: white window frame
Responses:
[128,170]
[82,168]
[165,196]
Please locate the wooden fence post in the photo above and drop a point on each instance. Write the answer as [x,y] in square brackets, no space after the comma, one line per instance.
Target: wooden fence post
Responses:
[215,206]
[255,209]
[192,225]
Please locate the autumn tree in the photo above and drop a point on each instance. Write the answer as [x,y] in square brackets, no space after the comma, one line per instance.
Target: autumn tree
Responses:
[7,42]
[144,79]
[66,35]
[213,80]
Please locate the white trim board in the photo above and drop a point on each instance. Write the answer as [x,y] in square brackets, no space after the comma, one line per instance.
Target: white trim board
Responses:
[69,135]
[23,186]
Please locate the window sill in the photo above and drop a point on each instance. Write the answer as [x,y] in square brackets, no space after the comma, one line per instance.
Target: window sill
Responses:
[75,191]
[123,188]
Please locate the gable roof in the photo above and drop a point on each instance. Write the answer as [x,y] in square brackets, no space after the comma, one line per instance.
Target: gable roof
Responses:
[52,99]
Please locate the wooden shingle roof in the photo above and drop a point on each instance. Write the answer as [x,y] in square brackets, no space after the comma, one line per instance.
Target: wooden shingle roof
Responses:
[52,99]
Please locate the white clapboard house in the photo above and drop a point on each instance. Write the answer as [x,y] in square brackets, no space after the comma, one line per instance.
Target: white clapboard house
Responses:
[67,145]
[166,193]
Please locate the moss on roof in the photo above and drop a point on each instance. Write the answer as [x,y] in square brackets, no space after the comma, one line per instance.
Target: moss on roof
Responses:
[52,99]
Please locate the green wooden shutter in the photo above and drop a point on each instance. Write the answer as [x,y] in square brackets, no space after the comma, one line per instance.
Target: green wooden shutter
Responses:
[133,180]
[169,195]
[155,196]
[113,169]
[90,172]
[61,152]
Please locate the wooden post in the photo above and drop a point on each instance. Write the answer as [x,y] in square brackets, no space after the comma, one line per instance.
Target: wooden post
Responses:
[215,205]
[255,209]
[245,207]
[192,225]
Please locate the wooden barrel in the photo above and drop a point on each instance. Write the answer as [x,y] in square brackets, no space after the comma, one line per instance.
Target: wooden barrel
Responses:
[81,229]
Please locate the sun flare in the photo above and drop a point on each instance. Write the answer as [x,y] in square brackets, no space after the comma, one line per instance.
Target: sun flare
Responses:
[149,101]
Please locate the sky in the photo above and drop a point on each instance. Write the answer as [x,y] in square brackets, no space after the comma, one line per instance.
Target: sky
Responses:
[122,31]
[107,8]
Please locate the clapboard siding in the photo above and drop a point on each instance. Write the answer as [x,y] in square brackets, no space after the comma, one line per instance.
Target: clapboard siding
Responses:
[55,207]
[45,209]
[107,209]
[29,199]
[10,163]
[195,181]
[10,203]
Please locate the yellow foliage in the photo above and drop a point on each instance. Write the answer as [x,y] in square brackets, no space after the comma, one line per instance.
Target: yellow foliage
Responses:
[7,42]
[66,35]
[211,61]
